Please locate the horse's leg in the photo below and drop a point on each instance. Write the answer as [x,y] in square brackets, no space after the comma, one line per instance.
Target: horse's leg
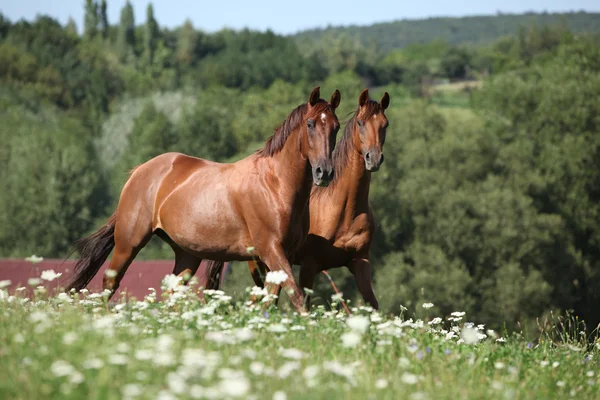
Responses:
[186,264]
[254,266]
[308,270]
[128,242]
[361,269]
[276,260]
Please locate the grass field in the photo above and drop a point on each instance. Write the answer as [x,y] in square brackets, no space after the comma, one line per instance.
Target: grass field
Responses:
[80,347]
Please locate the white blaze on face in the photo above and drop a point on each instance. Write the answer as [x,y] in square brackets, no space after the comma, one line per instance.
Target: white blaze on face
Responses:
[374,116]
[323,118]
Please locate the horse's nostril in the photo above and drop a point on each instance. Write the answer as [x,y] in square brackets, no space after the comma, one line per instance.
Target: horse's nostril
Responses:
[319,172]
[368,156]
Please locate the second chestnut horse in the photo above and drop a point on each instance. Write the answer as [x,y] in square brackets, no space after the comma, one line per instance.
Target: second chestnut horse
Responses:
[341,220]
[204,209]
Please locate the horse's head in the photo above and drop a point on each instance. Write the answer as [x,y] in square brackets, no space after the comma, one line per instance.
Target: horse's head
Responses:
[322,126]
[371,123]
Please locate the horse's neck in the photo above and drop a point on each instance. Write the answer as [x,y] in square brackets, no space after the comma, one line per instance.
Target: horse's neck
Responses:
[294,166]
[355,184]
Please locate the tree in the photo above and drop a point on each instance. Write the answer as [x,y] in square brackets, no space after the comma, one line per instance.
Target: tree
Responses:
[91,19]
[126,35]
[150,35]
[71,27]
[103,19]
[187,41]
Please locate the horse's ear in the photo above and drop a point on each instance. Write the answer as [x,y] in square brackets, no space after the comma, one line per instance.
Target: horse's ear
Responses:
[363,98]
[385,101]
[315,95]
[335,99]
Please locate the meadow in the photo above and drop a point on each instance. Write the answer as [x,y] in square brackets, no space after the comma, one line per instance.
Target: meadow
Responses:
[56,345]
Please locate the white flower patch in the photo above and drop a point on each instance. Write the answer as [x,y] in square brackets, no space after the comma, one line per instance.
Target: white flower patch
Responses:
[350,339]
[381,383]
[5,283]
[409,379]
[34,259]
[276,277]
[292,354]
[50,275]
[427,305]
[347,371]
[279,395]
[62,368]
[435,321]
[287,368]
[358,323]
[470,336]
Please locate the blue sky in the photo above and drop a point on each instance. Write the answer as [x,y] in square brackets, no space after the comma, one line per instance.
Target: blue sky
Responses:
[284,16]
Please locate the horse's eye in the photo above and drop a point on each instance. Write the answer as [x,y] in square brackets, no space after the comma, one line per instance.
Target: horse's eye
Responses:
[310,123]
[360,122]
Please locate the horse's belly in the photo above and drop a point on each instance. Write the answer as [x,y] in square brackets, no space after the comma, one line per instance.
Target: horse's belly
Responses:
[205,224]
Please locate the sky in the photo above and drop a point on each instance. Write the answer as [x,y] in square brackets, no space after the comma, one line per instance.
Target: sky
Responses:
[284,16]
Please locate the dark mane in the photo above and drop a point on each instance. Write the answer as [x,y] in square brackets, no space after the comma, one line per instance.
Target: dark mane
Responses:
[342,150]
[276,142]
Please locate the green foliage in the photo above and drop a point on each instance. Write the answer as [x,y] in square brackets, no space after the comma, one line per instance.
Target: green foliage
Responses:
[90,29]
[49,182]
[126,34]
[464,30]
[150,35]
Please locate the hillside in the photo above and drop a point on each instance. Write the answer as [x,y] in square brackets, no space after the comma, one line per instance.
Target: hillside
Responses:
[465,30]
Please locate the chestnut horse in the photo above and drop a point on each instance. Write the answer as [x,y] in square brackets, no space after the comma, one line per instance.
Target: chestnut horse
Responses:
[225,212]
[341,220]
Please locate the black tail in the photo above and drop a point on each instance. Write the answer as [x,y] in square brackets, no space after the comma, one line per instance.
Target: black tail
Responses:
[93,251]
[211,274]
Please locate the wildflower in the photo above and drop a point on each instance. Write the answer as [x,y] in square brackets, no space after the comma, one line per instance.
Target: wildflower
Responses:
[279,395]
[358,323]
[50,275]
[34,259]
[34,281]
[287,368]
[590,374]
[335,367]
[336,298]
[131,390]
[277,328]
[5,283]
[293,354]
[427,305]
[470,336]
[458,314]
[256,367]
[350,339]
[497,385]
[555,364]
[409,379]
[310,372]
[499,365]
[235,386]
[64,297]
[501,340]
[560,383]
[61,368]
[544,363]
[93,363]
[117,359]
[491,333]
[435,321]
[276,277]
[69,338]
[381,383]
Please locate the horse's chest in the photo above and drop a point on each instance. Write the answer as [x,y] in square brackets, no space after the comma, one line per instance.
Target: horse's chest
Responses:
[356,236]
